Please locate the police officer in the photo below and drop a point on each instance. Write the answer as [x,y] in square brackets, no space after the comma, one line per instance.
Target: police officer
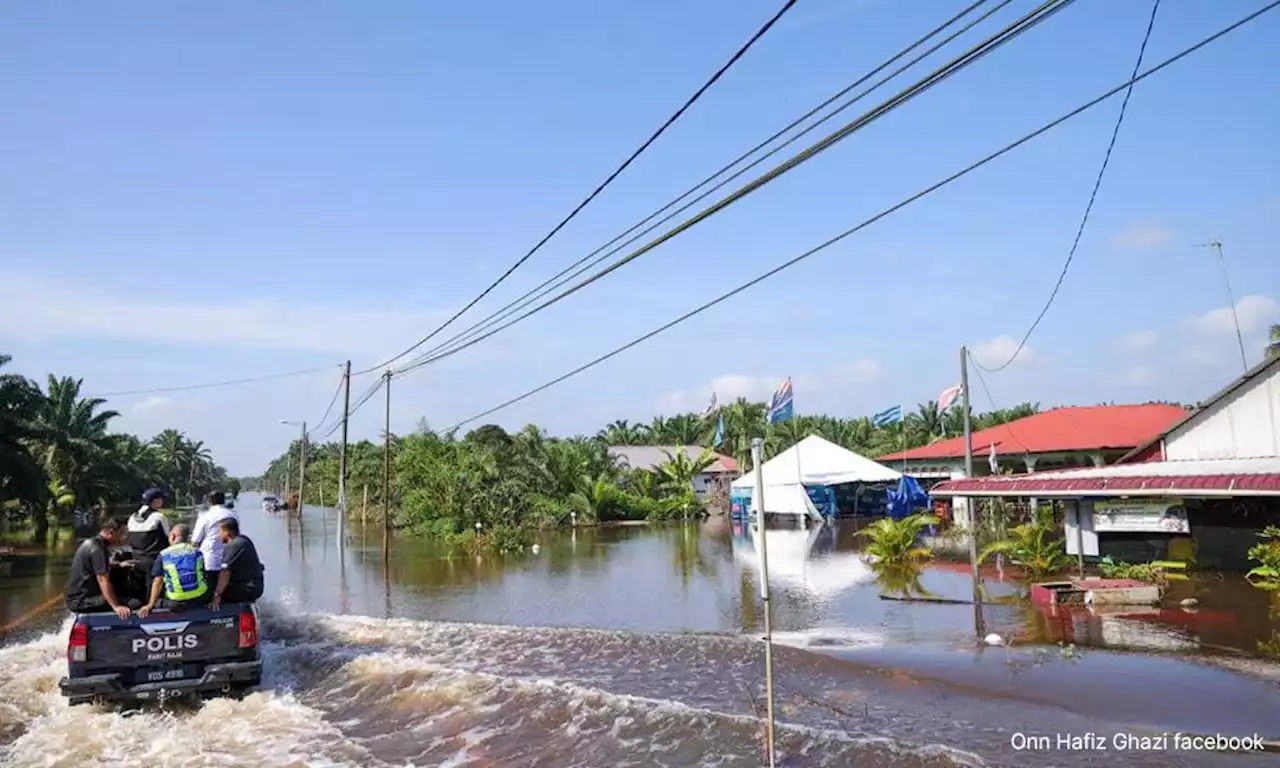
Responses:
[178,575]
[148,534]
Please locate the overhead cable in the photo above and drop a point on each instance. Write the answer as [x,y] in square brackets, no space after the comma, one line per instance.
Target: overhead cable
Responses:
[212,384]
[617,243]
[742,50]
[1045,128]
[363,398]
[1093,195]
[320,424]
[1030,20]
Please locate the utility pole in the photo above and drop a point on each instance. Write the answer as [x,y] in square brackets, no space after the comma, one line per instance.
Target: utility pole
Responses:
[386,477]
[342,457]
[364,508]
[302,467]
[969,501]
[1216,245]
[757,460]
[288,472]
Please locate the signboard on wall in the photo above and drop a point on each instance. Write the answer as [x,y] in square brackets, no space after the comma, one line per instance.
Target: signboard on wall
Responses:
[1140,516]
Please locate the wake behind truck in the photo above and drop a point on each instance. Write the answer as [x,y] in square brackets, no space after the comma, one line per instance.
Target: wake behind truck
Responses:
[195,652]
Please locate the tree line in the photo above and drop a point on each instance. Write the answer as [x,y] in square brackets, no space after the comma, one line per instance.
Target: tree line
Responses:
[58,454]
[505,485]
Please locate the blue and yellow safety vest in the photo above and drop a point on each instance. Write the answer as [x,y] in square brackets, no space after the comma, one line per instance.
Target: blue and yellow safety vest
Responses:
[183,572]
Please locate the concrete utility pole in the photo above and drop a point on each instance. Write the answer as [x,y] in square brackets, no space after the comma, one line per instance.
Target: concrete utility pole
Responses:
[302,467]
[386,477]
[978,623]
[757,494]
[342,457]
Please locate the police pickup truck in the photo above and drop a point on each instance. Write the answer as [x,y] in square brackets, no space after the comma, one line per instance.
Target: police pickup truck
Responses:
[196,652]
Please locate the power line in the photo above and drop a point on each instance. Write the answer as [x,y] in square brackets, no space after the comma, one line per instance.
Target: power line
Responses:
[1009,33]
[882,214]
[987,391]
[332,401]
[609,180]
[599,254]
[1093,195]
[360,402]
[211,385]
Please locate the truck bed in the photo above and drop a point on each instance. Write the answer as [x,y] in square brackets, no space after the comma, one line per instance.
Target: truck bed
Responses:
[167,654]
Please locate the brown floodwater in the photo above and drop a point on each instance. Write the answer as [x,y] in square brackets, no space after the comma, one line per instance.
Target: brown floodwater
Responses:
[641,646]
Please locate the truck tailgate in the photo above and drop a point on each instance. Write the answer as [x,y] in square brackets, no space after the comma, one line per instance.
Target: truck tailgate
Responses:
[162,640]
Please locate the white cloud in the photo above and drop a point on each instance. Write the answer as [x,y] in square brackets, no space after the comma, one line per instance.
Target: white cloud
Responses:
[153,403]
[730,387]
[1203,355]
[1142,236]
[1140,340]
[1140,376]
[26,312]
[1256,312]
[995,352]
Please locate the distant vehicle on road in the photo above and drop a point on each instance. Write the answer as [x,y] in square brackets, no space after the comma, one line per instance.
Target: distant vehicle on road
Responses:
[271,503]
[195,652]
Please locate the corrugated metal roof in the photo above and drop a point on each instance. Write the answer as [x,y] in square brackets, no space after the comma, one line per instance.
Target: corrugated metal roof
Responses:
[653,456]
[1208,477]
[1076,428]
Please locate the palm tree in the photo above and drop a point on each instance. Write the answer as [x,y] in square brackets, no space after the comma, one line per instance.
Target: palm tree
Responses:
[199,461]
[71,437]
[21,476]
[1273,339]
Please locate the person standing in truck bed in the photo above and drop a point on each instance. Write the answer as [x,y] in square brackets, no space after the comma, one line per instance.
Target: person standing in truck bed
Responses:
[148,534]
[89,590]
[205,536]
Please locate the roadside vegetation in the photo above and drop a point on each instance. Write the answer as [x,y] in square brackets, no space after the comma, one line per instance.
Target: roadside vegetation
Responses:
[1033,546]
[512,484]
[59,455]
[1266,553]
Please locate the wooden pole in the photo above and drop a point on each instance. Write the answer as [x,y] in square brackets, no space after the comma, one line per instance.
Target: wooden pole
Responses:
[364,507]
[386,477]
[757,459]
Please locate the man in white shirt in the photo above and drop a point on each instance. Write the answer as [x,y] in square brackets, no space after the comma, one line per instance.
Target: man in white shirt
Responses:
[206,536]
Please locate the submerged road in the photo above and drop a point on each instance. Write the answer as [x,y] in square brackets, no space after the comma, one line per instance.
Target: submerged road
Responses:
[575,657]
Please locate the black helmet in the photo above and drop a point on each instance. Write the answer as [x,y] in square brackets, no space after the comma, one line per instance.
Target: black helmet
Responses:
[151,494]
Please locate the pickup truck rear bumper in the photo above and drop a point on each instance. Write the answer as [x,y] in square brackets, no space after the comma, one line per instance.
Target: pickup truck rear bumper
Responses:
[217,678]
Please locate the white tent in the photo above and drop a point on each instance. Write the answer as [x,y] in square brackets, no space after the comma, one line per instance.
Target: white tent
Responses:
[815,461]
[785,500]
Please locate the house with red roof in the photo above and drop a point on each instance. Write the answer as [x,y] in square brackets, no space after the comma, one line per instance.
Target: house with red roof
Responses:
[1060,438]
[1200,488]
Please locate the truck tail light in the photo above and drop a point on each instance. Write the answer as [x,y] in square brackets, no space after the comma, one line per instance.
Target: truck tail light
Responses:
[78,644]
[248,628]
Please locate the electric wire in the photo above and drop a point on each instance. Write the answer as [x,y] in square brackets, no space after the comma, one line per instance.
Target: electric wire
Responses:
[213,384]
[742,50]
[1027,22]
[363,398]
[991,400]
[321,423]
[587,261]
[1045,128]
[1093,196]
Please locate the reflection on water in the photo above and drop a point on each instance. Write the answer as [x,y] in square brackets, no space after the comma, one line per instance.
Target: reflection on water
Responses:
[575,656]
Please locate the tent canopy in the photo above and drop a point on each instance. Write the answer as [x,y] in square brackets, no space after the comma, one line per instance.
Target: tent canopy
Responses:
[785,500]
[822,462]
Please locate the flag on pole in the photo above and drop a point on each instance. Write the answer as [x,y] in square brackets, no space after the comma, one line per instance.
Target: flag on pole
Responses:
[887,416]
[948,397]
[710,408]
[719,438]
[991,460]
[780,406]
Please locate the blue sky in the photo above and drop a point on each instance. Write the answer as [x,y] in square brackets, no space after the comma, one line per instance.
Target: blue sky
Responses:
[198,191]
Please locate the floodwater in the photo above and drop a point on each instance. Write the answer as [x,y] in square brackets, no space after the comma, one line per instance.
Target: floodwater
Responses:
[640,647]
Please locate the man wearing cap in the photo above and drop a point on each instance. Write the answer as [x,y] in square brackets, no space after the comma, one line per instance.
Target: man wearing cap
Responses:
[148,535]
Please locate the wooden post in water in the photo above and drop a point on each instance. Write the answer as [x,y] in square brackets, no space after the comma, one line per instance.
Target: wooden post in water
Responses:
[386,478]
[302,468]
[757,460]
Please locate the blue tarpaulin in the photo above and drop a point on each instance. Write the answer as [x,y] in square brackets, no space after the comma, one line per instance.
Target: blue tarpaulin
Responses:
[906,498]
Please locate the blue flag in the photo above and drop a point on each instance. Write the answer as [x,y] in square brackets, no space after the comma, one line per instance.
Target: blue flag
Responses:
[780,406]
[719,438]
[887,416]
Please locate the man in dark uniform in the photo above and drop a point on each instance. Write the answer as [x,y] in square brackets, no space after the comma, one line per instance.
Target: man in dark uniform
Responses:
[90,588]
[240,580]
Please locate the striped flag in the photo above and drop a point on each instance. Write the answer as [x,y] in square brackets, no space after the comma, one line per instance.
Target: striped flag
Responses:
[710,408]
[780,406]
[949,396]
[887,416]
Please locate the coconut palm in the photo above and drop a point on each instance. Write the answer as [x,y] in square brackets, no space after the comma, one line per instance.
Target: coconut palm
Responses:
[21,476]
[70,436]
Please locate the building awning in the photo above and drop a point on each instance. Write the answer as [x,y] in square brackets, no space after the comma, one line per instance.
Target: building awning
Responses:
[1201,478]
